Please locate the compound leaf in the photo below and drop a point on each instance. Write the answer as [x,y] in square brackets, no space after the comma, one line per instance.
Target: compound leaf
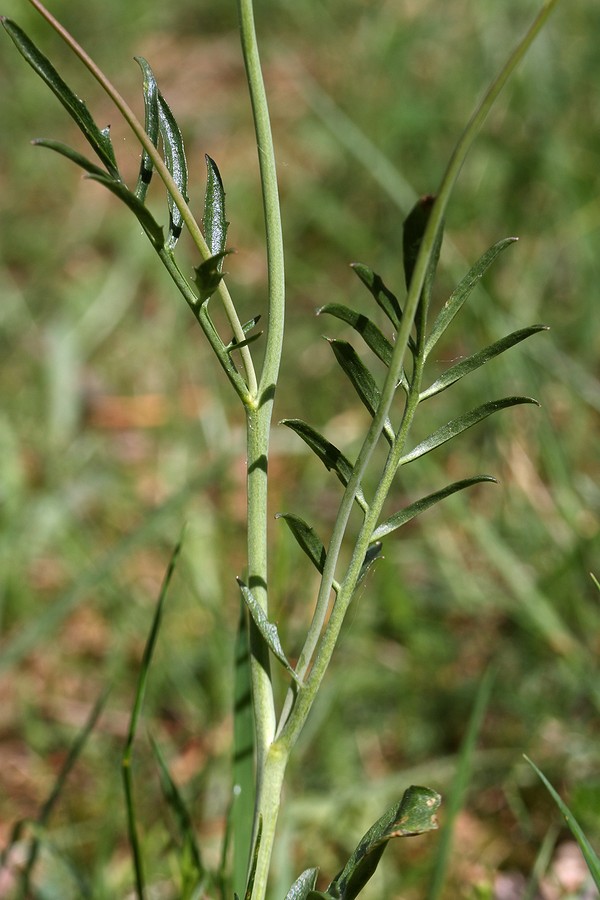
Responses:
[74,155]
[382,295]
[419,506]
[208,276]
[461,423]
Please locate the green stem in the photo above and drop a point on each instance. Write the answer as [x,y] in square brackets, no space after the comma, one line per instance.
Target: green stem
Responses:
[269,763]
[322,642]
[163,172]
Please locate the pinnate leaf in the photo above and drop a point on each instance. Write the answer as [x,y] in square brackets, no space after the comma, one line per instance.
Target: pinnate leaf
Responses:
[419,506]
[463,291]
[461,423]
[98,138]
[267,629]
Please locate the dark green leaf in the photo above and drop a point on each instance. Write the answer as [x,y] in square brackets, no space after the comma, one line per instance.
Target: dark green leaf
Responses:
[371,334]
[468,365]
[460,424]
[382,295]
[463,292]
[413,231]
[208,275]
[215,223]
[415,814]
[176,163]
[141,212]
[190,853]
[98,138]
[307,539]
[362,381]
[415,509]
[589,854]
[237,345]
[372,554]
[151,125]
[73,155]
[303,885]
[242,809]
[332,458]
[267,629]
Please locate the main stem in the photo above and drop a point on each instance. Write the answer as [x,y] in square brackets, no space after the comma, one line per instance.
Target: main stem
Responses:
[270,762]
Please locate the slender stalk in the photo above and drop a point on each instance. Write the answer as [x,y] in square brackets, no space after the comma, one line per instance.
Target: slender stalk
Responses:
[163,172]
[270,764]
[296,708]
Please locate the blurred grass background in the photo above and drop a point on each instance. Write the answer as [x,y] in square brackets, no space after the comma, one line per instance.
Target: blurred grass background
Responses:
[116,427]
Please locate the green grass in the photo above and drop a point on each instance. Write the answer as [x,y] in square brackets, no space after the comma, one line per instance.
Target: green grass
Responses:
[115,427]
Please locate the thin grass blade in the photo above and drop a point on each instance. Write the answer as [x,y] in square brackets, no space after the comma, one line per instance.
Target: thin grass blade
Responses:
[98,138]
[267,629]
[151,126]
[133,724]
[464,290]
[371,334]
[242,809]
[332,458]
[592,859]
[50,803]
[456,797]
[471,363]
[419,506]
[252,874]
[462,423]
[192,870]
[362,381]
